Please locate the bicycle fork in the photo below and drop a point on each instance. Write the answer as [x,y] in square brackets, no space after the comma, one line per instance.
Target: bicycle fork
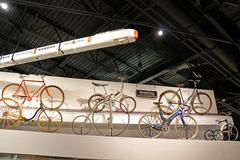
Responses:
[185,127]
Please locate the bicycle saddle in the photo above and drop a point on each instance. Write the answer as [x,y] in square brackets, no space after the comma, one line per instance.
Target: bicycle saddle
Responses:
[98,84]
[22,75]
[180,84]
[122,78]
[156,103]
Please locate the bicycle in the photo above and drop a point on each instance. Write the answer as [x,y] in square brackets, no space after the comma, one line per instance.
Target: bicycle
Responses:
[82,123]
[50,96]
[48,120]
[170,100]
[128,102]
[110,121]
[151,125]
[226,131]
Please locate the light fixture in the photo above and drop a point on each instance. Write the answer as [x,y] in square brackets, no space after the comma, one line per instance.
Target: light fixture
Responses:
[4,5]
[160,32]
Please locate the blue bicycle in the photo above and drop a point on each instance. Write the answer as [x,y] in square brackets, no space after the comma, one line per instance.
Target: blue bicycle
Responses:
[152,125]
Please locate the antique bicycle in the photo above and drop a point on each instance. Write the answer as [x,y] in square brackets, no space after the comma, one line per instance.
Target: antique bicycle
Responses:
[109,120]
[126,103]
[48,120]
[227,131]
[50,96]
[151,125]
[82,123]
[200,102]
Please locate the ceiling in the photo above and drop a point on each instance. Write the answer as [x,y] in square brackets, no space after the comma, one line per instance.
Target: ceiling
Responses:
[201,40]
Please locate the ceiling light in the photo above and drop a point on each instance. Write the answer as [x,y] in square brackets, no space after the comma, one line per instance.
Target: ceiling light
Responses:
[160,32]
[4,6]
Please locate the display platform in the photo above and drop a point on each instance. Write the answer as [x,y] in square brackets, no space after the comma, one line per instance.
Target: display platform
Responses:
[77,91]
[99,147]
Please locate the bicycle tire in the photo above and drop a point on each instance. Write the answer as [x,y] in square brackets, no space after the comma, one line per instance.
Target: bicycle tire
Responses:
[118,124]
[49,101]
[49,120]
[81,125]
[146,124]
[129,106]
[190,124]
[11,114]
[12,88]
[93,102]
[209,134]
[166,97]
[231,135]
[206,105]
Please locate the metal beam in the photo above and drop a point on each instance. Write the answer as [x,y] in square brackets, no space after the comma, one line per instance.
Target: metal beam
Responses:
[109,17]
[228,106]
[197,49]
[163,71]
[52,41]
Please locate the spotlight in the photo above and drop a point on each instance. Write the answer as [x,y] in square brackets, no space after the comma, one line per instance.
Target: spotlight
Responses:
[4,6]
[160,32]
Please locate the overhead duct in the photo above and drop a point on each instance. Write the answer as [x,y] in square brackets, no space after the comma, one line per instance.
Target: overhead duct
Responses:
[101,40]
[187,23]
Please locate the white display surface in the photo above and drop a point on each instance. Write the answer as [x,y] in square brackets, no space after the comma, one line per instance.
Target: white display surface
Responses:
[98,147]
[77,91]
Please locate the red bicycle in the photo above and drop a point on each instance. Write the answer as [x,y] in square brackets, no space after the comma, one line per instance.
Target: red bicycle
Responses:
[50,96]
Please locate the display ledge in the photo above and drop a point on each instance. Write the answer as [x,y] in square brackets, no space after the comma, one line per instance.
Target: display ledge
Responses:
[99,147]
[120,117]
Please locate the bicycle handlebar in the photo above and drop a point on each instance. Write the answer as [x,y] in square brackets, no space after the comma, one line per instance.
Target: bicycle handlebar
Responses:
[26,75]
[225,113]
[194,81]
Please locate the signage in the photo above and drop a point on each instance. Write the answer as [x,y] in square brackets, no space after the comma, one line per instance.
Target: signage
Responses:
[146,94]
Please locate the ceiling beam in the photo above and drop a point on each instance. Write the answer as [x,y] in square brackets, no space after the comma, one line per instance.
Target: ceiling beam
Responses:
[109,17]
[52,41]
[167,69]
[197,49]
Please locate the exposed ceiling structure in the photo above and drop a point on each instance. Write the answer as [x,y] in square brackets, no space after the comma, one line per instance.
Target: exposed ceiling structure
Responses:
[201,40]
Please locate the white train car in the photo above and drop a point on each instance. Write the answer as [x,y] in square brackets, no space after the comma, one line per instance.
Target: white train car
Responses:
[101,40]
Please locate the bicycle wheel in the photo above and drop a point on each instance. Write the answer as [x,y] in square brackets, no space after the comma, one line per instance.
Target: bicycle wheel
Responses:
[109,121]
[49,120]
[93,102]
[149,125]
[15,92]
[230,132]
[201,103]
[209,135]
[81,125]
[218,135]
[169,101]
[129,104]
[10,114]
[186,127]
[52,97]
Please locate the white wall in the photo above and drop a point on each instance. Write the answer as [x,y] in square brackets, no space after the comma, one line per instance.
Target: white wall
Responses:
[98,147]
[82,89]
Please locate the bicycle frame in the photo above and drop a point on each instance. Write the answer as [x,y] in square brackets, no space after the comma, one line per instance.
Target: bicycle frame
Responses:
[24,85]
[184,102]
[168,120]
